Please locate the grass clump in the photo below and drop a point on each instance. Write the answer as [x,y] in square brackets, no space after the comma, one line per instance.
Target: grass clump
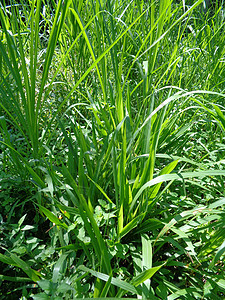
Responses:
[112,145]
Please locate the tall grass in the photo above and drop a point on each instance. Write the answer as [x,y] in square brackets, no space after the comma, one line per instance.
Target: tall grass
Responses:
[21,62]
[111,112]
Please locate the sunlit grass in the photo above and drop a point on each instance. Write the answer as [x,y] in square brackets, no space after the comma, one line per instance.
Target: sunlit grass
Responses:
[118,114]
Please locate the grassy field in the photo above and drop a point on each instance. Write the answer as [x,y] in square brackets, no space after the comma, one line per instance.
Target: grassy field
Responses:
[112,150]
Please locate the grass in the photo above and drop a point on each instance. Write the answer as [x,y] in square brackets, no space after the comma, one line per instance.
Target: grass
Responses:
[112,144]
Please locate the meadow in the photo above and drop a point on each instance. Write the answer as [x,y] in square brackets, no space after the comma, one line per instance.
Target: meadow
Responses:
[112,149]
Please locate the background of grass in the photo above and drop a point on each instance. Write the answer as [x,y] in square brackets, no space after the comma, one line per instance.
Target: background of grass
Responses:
[112,145]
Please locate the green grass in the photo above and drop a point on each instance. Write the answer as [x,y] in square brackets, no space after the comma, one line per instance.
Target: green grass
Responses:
[112,144]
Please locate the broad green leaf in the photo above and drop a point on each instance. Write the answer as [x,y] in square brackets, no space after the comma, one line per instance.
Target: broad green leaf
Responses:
[47,286]
[21,220]
[40,296]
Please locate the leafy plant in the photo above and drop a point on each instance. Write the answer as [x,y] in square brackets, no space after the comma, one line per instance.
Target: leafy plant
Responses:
[122,126]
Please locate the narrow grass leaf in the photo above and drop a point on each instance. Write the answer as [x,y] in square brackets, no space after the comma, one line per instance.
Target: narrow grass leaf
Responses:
[145,275]
[178,218]
[218,255]
[7,260]
[15,279]
[179,176]
[101,190]
[131,225]
[34,275]
[52,217]
[117,282]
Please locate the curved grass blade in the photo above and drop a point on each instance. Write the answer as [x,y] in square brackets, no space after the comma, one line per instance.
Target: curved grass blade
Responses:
[180,217]
[219,253]
[117,282]
[179,176]
[33,275]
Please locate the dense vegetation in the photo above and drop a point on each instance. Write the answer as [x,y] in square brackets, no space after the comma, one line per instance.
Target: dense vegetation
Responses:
[112,146]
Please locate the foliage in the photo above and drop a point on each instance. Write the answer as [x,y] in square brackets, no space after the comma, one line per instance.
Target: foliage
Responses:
[112,144]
